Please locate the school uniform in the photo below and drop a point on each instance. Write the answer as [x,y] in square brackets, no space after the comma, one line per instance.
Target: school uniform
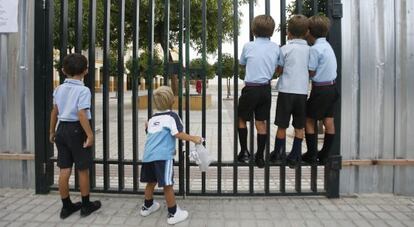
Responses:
[324,92]
[293,84]
[261,58]
[159,151]
[71,97]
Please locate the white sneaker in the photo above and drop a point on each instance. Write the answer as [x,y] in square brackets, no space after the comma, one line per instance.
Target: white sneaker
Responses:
[145,211]
[179,216]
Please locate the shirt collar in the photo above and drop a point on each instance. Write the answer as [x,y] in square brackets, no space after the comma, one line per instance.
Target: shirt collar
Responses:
[261,39]
[320,40]
[73,81]
[298,41]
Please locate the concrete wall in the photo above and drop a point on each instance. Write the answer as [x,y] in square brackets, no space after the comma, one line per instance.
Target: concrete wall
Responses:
[377,81]
[16,100]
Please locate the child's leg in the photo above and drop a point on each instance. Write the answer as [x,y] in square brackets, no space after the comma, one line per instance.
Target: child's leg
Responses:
[261,143]
[311,141]
[64,176]
[328,139]
[87,206]
[170,199]
[243,134]
[149,193]
[296,151]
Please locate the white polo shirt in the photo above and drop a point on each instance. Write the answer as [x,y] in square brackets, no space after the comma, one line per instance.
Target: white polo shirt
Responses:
[70,97]
[294,60]
[261,58]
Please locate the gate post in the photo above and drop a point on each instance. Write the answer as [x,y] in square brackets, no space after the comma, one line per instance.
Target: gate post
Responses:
[42,89]
[333,166]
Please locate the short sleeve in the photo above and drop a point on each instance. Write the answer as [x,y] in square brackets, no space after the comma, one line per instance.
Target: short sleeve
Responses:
[313,59]
[54,96]
[243,59]
[281,61]
[175,124]
[84,101]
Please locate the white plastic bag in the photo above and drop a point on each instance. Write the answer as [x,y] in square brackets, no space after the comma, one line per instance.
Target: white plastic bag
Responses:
[201,156]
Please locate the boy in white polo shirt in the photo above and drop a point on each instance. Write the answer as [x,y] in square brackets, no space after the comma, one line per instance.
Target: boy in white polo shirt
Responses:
[261,58]
[321,103]
[162,130]
[74,136]
[293,90]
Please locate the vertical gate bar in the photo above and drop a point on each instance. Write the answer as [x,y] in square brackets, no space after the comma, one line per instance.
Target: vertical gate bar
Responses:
[298,179]
[79,24]
[151,55]
[78,49]
[187,91]
[50,17]
[267,7]
[299,6]
[135,78]
[282,22]
[219,96]
[166,39]
[121,30]
[334,162]
[236,89]
[90,78]
[314,167]
[267,168]
[63,35]
[315,7]
[180,94]
[105,93]
[203,102]
[282,171]
[251,131]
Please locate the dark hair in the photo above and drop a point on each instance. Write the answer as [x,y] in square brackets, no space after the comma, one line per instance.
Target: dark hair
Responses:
[319,26]
[298,25]
[74,64]
[263,26]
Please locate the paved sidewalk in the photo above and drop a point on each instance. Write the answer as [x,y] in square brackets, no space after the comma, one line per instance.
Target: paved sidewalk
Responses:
[24,208]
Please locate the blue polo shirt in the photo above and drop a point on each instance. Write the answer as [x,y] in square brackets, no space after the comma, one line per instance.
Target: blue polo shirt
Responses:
[322,59]
[161,131]
[71,97]
[261,58]
[294,60]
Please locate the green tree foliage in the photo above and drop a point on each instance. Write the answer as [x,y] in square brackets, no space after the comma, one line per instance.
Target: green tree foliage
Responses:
[195,23]
[227,69]
[307,8]
[143,65]
[197,64]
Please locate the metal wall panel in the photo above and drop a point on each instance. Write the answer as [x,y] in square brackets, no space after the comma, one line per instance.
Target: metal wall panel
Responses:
[375,117]
[404,144]
[16,99]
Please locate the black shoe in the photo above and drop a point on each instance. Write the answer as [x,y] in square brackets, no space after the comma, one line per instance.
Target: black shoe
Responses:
[244,156]
[260,162]
[293,160]
[90,208]
[323,157]
[277,156]
[66,212]
[309,158]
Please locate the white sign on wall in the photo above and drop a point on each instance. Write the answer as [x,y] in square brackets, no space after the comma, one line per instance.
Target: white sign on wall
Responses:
[8,16]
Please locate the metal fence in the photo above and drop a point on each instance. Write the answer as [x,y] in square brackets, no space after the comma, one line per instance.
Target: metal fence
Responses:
[45,156]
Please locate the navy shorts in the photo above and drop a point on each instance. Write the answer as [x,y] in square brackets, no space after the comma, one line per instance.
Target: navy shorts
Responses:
[255,101]
[69,140]
[321,103]
[291,105]
[161,172]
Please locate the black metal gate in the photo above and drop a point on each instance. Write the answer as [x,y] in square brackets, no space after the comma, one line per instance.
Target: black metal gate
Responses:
[120,174]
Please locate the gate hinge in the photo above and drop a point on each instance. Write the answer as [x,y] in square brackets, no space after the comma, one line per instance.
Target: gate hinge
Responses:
[335,162]
[337,10]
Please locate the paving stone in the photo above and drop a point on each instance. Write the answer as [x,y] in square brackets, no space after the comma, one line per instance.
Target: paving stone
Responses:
[368,215]
[395,223]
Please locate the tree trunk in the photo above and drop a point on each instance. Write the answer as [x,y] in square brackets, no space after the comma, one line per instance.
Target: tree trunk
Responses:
[228,88]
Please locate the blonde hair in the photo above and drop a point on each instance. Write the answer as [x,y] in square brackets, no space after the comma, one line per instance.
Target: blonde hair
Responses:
[163,98]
